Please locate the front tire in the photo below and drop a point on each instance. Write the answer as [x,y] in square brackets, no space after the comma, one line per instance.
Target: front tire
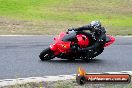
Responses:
[46,54]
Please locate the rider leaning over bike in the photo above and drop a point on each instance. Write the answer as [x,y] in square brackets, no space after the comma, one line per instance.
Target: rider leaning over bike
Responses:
[98,35]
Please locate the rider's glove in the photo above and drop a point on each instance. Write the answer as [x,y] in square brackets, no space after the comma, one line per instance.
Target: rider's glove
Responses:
[70,29]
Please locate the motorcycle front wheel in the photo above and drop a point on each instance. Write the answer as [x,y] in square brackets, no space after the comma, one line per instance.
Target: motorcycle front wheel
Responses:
[46,54]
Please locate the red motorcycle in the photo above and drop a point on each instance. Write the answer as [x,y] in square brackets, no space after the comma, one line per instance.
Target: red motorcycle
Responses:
[65,42]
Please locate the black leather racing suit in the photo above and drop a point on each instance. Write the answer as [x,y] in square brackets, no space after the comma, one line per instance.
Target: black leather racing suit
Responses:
[99,37]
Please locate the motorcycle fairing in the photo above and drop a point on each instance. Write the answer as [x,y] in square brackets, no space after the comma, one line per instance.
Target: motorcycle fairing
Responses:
[83,40]
[60,46]
[63,42]
[59,37]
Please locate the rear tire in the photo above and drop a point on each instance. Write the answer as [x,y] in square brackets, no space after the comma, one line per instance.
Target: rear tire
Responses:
[46,54]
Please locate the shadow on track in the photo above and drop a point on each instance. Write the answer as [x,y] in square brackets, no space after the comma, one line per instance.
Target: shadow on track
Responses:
[74,61]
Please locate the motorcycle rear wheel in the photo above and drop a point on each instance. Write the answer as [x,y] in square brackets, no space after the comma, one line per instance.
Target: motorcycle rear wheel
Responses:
[93,54]
[46,54]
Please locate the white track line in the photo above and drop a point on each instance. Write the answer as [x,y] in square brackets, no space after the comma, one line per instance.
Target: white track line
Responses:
[8,82]
[24,35]
[53,35]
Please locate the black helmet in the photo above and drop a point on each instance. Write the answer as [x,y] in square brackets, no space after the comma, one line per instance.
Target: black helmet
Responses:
[95,25]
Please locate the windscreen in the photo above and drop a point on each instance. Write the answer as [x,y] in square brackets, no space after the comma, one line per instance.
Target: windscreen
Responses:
[69,37]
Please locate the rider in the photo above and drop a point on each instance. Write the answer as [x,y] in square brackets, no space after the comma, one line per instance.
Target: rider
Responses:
[98,35]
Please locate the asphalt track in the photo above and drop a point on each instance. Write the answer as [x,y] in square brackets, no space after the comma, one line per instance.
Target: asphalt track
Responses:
[19,58]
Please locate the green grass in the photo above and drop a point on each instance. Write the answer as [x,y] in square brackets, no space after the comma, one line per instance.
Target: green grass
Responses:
[59,15]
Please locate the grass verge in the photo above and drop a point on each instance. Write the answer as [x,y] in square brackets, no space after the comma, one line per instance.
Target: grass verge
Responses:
[40,17]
